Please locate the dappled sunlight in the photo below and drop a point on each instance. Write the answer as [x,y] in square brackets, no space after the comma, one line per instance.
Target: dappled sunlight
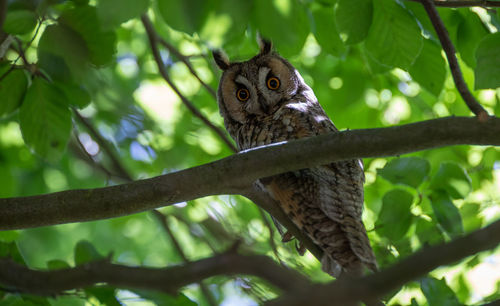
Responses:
[84,104]
[158,101]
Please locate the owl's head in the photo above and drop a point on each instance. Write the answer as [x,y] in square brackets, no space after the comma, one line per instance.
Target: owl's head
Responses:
[257,87]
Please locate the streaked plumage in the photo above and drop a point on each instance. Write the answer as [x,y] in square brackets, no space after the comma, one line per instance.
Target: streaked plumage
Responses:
[326,202]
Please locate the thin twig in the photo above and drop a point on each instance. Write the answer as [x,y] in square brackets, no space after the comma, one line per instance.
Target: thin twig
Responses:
[202,237]
[20,50]
[105,146]
[271,234]
[465,3]
[30,67]
[449,49]
[164,223]
[79,150]
[186,61]
[263,200]
[153,40]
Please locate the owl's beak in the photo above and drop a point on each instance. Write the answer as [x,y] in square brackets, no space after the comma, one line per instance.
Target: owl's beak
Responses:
[263,105]
[259,107]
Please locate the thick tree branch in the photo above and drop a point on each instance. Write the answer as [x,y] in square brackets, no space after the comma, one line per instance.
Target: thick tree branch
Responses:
[449,49]
[464,3]
[299,291]
[349,291]
[234,174]
[170,280]
[153,41]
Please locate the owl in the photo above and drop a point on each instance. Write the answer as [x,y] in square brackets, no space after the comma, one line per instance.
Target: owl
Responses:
[265,100]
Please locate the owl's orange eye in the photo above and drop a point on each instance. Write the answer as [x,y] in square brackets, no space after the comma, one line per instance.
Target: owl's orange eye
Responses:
[273,83]
[242,94]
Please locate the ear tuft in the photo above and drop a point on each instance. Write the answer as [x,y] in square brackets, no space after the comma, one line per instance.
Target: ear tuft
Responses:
[221,59]
[265,45]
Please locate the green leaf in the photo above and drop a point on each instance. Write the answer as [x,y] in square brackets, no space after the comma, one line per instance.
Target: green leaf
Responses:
[75,94]
[354,18]
[12,90]
[61,52]
[67,301]
[100,42]
[470,31]
[487,71]
[227,23]
[114,12]
[8,183]
[269,17]
[164,299]
[86,252]
[427,232]
[395,217]
[10,250]
[437,292]
[453,179]
[410,171]
[471,216]
[45,119]
[394,38]
[373,65]
[326,32]
[9,236]
[19,22]
[24,300]
[57,264]
[327,2]
[447,214]
[184,15]
[429,69]
[105,295]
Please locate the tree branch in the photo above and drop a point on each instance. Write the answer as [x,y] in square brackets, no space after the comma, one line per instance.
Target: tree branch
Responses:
[270,229]
[186,62]
[78,149]
[169,280]
[3,15]
[347,291]
[121,171]
[153,41]
[449,49]
[234,174]
[464,3]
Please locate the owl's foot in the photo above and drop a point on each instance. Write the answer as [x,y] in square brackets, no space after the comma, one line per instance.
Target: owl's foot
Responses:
[300,247]
[287,237]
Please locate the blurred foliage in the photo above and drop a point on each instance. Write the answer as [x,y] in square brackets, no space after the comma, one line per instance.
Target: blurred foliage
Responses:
[370,63]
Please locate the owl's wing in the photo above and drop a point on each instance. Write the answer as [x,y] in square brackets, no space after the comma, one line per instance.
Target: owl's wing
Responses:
[341,199]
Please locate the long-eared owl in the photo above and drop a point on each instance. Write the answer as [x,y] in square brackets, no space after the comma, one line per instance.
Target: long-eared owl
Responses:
[265,100]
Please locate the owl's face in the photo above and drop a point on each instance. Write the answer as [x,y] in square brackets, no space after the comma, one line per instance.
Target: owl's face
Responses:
[257,87]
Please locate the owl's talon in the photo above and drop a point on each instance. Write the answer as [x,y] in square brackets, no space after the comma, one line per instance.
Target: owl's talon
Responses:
[287,237]
[301,248]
